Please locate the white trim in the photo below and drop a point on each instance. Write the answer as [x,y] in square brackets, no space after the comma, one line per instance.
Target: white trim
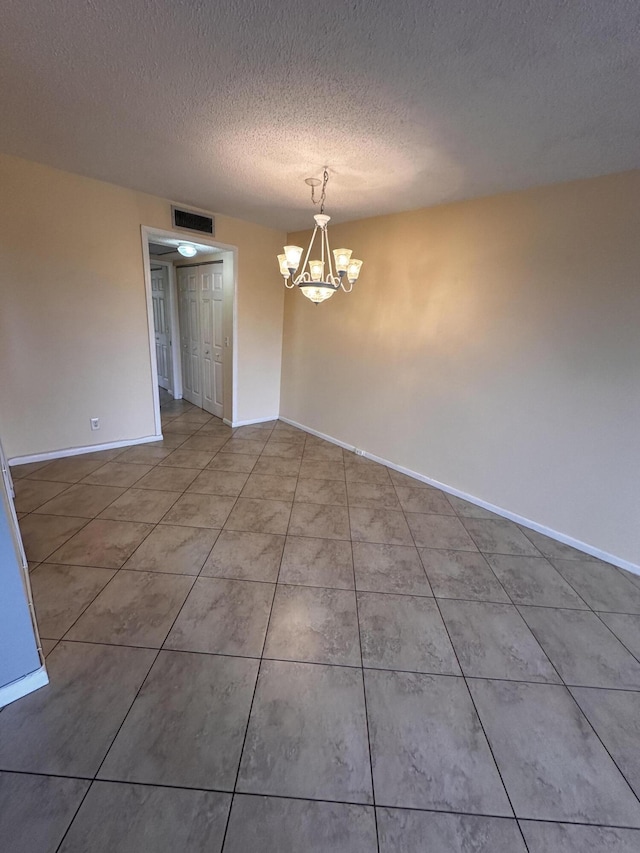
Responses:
[27,684]
[146,263]
[235,424]
[505,513]
[77,451]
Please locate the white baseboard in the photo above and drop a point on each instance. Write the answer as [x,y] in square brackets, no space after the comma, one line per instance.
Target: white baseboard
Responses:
[77,451]
[17,689]
[505,513]
[235,424]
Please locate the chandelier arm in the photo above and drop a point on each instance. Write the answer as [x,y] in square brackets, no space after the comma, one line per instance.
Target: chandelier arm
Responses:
[331,277]
[313,237]
[344,288]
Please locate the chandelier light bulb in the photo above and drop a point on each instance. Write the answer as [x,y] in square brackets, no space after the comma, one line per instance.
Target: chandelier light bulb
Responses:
[353,270]
[342,257]
[293,255]
[284,266]
[316,270]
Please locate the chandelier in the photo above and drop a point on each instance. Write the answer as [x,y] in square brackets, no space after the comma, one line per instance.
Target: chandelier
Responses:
[316,284]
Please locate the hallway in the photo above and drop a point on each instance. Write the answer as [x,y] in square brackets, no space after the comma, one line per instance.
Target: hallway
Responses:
[254,638]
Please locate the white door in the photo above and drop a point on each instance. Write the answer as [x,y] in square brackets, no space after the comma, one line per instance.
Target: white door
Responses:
[200,294]
[161,324]
[211,294]
[189,311]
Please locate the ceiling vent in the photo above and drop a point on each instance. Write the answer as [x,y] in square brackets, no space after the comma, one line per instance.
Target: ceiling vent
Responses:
[190,220]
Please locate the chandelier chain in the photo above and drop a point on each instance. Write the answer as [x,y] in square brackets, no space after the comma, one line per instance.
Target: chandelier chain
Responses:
[323,192]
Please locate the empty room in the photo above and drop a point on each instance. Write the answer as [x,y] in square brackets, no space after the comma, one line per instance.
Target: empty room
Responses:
[281,572]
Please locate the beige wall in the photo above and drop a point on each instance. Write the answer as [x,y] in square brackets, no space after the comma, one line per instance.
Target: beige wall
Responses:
[73,324]
[493,345]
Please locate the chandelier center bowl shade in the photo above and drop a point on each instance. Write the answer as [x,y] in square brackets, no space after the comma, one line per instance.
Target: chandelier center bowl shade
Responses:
[317,279]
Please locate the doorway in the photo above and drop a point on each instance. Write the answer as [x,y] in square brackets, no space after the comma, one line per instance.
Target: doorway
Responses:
[192,322]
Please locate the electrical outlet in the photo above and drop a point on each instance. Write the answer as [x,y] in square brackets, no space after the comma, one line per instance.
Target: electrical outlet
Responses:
[358,452]
[95,423]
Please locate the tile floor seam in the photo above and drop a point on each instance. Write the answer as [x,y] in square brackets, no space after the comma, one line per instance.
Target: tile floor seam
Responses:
[486,737]
[253,697]
[364,685]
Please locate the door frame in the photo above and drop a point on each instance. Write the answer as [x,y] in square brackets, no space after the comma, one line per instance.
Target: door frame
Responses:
[147,234]
[176,380]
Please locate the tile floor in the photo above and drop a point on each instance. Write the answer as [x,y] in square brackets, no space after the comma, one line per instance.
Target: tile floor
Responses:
[259,642]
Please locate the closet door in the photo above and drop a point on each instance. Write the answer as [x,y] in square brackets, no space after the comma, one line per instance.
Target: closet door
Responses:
[190,338]
[211,296]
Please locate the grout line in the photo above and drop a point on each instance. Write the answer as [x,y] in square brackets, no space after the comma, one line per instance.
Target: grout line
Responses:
[502,782]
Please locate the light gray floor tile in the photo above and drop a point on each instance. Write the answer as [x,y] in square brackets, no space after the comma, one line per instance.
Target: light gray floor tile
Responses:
[359,470]
[25,470]
[223,616]
[145,819]
[615,715]
[551,548]
[313,469]
[533,580]
[582,649]
[245,556]
[626,627]
[439,531]
[327,492]
[389,568]
[102,543]
[381,526]
[240,463]
[322,452]
[144,455]
[181,458]
[254,432]
[279,825]
[500,536]
[424,500]
[374,495]
[81,500]
[461,574]
[567,838]
[68,470]
[140,505]
[176,550]
[35,811]
[253,515]
[193,510]
[553,765]
[187,724]
[209,443]
[168,479]
[465,509]
[325,522]
[307,735]
[269,448]
[493,641]
[634,577]
[66,727]
[47,645]
[405,831]
[427,747]
[404,632]
[44,534]
[317,562]
[117,474]
[31,494]
[270,487]
[61,593]
[135,609]
[315,625]
[277,465]
[404,480]
[229,483]
[602,586]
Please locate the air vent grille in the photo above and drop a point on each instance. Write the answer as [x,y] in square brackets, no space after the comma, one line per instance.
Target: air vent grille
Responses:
[192,221]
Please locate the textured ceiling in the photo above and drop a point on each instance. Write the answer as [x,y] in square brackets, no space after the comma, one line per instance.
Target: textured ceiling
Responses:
[228,106]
